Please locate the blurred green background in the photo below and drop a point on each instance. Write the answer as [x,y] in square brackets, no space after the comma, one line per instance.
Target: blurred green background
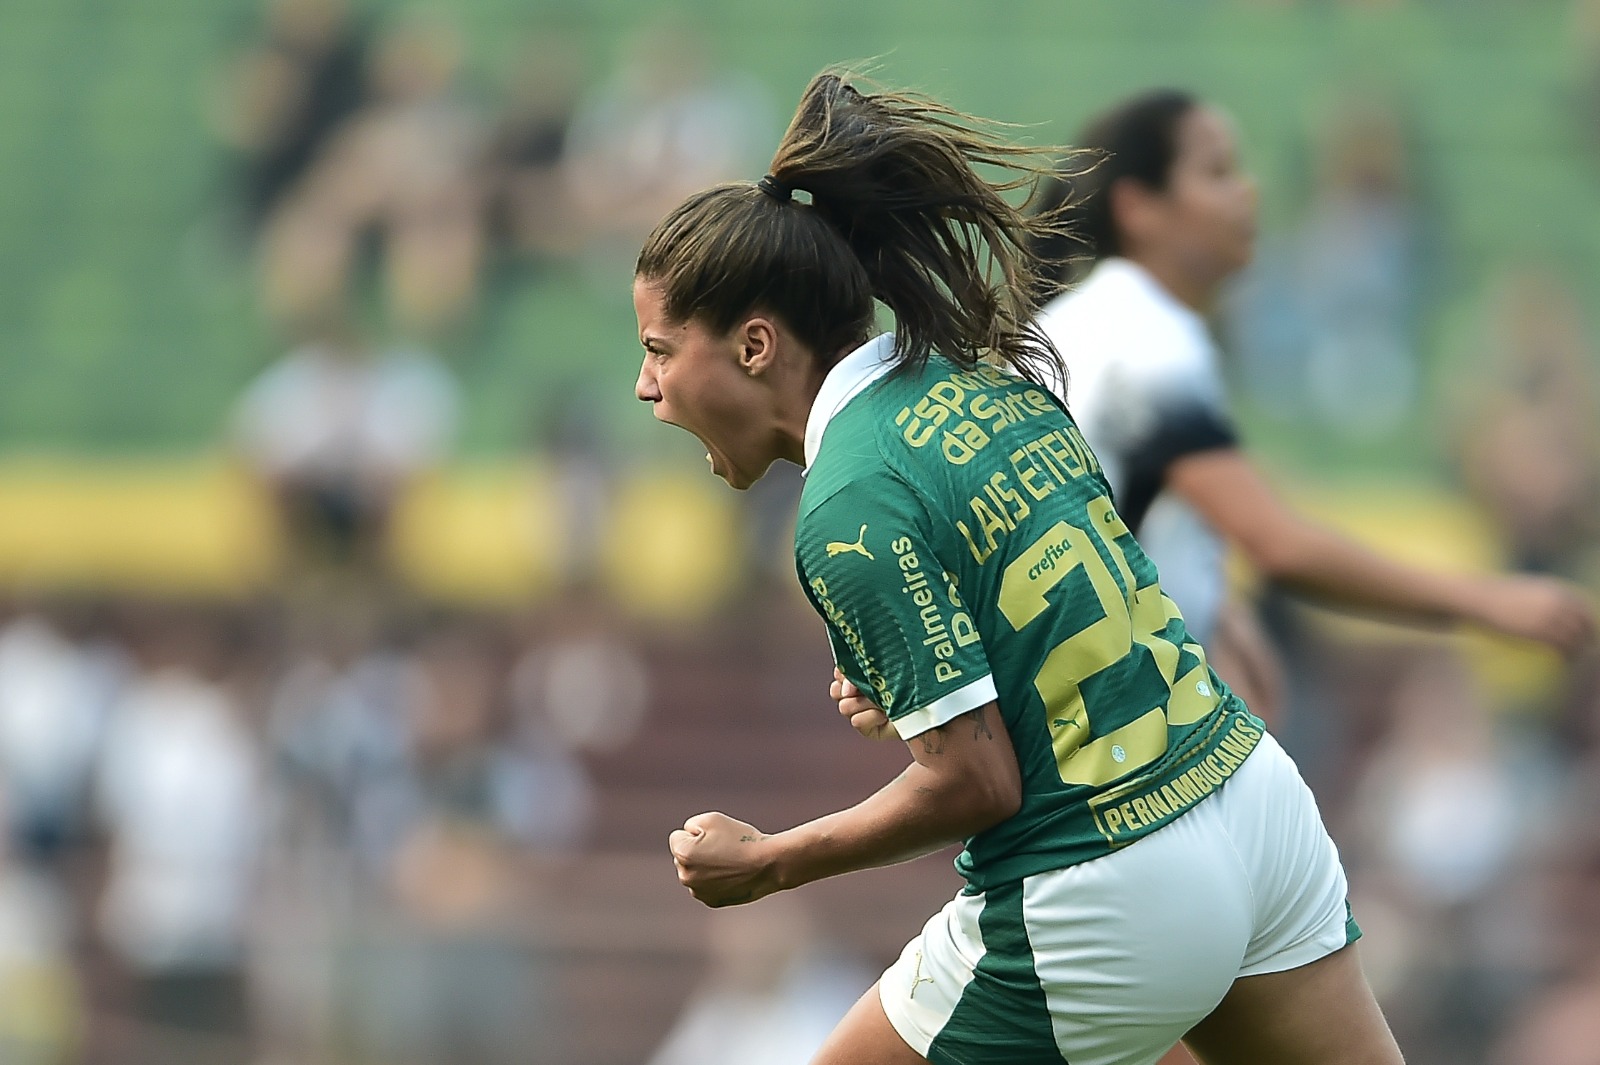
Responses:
[406,738]
[128,320]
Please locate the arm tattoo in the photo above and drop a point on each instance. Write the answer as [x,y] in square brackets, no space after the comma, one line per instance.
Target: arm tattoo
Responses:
[980,724]
[933,741]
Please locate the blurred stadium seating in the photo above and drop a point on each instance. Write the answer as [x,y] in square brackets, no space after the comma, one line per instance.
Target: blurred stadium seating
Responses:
[130,322]
[127,323]
[127,317]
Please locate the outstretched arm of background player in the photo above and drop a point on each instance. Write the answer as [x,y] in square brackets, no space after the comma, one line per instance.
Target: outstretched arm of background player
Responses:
[963,779]
[1232,495]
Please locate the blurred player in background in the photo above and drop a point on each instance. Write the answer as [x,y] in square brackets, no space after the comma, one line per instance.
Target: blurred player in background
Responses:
[958,537]
[1162,222]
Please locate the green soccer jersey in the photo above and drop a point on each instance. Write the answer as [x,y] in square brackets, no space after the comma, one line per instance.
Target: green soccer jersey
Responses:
[959,540]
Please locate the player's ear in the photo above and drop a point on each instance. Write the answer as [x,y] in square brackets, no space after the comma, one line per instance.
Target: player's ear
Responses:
[758,345]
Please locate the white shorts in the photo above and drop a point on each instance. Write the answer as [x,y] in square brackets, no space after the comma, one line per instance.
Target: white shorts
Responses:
[1111,961]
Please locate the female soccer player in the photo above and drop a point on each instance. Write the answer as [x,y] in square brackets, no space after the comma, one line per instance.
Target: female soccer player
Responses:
[1164,220]
[1143,862]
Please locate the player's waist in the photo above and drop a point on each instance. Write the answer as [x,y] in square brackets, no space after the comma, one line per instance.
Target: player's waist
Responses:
[1052,832]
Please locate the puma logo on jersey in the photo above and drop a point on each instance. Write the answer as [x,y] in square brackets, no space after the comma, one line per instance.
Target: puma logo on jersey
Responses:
[917,977]
[838,547]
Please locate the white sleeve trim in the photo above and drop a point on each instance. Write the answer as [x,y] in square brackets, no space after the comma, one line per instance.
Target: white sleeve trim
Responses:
[946,708]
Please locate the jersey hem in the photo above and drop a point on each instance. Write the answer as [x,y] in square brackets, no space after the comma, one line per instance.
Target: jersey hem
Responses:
[946,708]
[1201,762]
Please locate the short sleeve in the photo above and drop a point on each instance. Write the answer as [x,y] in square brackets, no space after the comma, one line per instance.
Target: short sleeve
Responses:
[894,612]
[1167,410]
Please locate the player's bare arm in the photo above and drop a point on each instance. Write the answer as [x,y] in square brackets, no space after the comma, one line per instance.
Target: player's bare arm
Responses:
[963,779]
[1231,494]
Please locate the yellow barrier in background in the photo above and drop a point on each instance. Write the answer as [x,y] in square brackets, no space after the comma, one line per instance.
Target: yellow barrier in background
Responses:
[496,535]
[179,527]
[671,548]
[484,534]
[500,536]
[1428,526]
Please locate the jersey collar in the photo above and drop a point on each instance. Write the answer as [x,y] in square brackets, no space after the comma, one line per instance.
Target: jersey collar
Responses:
[844,382]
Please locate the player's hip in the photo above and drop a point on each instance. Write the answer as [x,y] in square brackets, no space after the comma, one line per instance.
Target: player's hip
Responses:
[1111,961]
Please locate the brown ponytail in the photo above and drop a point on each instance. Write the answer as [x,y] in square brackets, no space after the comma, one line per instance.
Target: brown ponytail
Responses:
[897,213]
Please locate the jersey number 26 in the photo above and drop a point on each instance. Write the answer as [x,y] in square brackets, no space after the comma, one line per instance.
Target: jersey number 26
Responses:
[1137,616]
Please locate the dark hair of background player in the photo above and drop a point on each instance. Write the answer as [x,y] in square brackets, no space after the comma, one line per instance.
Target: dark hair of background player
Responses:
[1136,140]
[896,213]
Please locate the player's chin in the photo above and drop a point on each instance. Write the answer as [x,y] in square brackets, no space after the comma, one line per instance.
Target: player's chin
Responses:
[738,481]
[721,465]
[1244,249]
[739,476]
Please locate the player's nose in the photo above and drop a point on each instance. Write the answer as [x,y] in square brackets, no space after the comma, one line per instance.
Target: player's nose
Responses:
[646,387]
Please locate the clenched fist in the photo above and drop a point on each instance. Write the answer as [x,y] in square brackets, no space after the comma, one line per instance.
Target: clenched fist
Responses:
[723,862]
[862,713]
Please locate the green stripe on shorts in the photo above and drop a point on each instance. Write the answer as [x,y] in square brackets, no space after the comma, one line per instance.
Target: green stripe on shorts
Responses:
[1352,931]
[1002,1017]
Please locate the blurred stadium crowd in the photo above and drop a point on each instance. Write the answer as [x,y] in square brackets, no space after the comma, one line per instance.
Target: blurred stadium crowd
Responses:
[394,790]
